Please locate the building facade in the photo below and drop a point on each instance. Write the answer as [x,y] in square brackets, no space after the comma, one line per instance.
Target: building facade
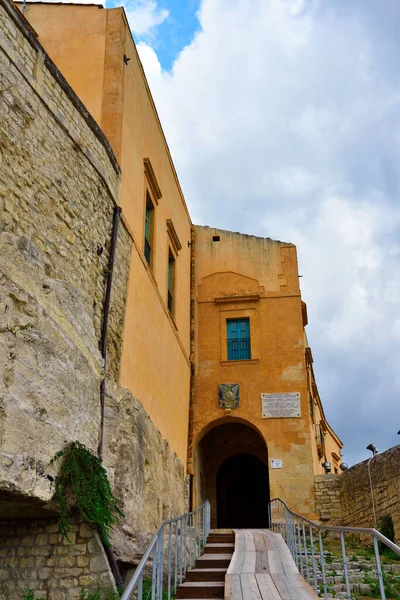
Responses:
[208,389]
[252,417]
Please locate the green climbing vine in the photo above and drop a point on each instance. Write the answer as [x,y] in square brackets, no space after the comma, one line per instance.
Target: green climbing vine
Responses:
[83,474]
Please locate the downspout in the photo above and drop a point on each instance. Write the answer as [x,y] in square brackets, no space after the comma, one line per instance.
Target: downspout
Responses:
[103,348]
[190,468]
[104,329]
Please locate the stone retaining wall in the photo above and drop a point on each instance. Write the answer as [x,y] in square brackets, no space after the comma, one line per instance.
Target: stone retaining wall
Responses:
[33,554]
[356,495]
[346,499]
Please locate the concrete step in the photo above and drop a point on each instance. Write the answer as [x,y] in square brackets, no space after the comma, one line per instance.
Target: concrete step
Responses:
[217,574]
[219,548]
[201,589]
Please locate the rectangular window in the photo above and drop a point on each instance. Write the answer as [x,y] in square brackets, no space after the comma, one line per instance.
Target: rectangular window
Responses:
[149,230]
[171,282]
[238,338]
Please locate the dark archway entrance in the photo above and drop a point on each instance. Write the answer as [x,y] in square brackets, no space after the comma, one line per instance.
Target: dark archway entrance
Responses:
[242,492]
[232,472]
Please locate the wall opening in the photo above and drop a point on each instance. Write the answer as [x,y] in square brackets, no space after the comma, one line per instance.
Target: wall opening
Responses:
[242,492]
[231,471]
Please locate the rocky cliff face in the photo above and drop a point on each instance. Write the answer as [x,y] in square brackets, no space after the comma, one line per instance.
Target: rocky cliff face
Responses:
[50,370]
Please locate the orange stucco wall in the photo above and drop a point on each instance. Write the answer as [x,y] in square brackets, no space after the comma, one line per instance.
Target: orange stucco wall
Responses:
[245,276]
[155,356]
[88,45]
[74,36]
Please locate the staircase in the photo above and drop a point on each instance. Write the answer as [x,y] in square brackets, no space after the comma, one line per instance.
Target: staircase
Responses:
[207,579]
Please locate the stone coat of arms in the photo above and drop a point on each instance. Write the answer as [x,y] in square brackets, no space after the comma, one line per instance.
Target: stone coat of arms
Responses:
[228,395]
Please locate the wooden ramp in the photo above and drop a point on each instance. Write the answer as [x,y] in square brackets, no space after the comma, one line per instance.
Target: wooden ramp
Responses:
[262,568]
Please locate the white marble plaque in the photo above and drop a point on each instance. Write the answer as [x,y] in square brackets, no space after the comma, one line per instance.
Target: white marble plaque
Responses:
[276,463]
[278,406]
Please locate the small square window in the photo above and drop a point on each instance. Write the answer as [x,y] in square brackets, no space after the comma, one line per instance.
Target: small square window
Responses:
[238,339]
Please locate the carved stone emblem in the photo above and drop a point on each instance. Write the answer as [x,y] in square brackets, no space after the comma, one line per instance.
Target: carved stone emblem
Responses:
[228,395]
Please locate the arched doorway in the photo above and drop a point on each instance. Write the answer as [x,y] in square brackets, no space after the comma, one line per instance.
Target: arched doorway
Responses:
[242,492]
[231,470]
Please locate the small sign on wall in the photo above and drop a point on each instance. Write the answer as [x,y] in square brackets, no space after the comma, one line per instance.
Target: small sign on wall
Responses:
[276,463]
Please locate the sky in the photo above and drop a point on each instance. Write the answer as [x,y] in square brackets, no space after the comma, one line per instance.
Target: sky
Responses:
[283,120]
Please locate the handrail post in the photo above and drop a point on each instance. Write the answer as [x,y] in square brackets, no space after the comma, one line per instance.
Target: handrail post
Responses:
[313,560]
[305,551]
[176,558]
[322,562]
[300,548]
[296,552]
[190,541]
[379,569]
[208,519]
[345,570]
[185,546]
[169,559]
[161,563]
[154,571]
[180,552]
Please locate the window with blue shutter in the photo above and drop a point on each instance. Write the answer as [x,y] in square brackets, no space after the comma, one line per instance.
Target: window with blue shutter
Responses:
[238,339]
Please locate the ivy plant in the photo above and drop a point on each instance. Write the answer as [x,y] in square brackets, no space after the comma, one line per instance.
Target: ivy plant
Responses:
[83,474]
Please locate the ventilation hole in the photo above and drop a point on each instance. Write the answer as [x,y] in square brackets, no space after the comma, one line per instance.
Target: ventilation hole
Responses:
[215,238]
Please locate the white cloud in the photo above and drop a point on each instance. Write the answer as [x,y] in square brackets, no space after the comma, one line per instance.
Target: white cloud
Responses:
[283,120]
[144,15]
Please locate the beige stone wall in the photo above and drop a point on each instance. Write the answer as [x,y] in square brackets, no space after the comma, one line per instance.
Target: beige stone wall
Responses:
[327,499]
[146,474]
[58,189]
[346,499]
[33,554]
[356,496]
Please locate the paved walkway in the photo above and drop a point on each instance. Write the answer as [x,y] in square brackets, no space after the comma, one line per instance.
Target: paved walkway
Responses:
[262,568]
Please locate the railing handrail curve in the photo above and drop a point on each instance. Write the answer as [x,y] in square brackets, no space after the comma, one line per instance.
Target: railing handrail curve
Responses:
[137,577]
[308,552]
[344,528]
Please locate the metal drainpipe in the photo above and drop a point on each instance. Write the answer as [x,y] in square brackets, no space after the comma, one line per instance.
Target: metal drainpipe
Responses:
[192,364]
[106,310]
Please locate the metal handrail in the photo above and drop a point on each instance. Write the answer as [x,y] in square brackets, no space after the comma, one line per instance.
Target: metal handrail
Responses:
[293,528]
[186,537]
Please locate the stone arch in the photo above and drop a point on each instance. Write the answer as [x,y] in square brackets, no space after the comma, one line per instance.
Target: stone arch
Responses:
[222,451]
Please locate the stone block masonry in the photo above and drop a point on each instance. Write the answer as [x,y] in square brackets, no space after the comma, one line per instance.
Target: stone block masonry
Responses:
[356,495]
[327,499]
[346,499]
[33,554]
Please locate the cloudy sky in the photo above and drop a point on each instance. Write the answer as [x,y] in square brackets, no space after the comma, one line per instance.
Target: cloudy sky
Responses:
[283,119]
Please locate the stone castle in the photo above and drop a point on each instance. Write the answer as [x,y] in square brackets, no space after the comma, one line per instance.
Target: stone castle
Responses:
[176,351]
